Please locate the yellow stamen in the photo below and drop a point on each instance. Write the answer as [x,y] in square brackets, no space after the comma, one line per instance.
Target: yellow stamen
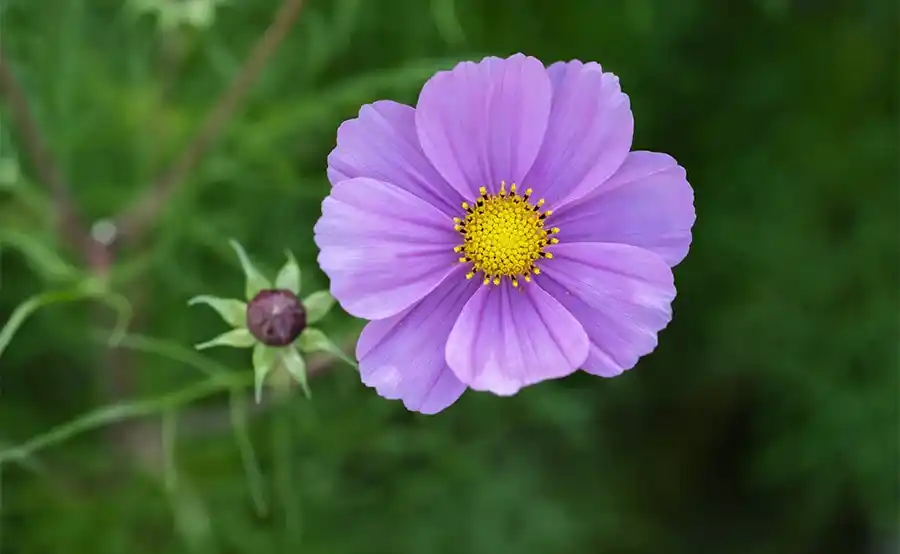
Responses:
[504,236]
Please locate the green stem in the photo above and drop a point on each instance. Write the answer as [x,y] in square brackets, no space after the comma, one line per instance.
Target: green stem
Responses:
[120,412]
[220,380]
[27,308]
[282,453]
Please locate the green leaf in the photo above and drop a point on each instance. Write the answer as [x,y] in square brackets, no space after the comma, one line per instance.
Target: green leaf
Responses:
[296,366]
[234,312]
[264,361]
[318,304]
[256,281]
[314,340]
[236,338]
[289,276]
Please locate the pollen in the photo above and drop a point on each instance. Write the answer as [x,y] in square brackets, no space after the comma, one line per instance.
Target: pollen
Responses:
[503,236]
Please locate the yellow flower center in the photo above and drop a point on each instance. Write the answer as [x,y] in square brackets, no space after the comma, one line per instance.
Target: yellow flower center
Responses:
[504,235]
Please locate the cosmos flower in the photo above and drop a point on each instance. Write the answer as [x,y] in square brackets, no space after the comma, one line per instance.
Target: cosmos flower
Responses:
[501,233]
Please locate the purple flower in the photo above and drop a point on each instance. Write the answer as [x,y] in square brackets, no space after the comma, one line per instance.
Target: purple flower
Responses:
[501,233]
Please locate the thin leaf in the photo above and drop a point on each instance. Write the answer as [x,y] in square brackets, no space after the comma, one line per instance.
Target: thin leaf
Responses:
[239,413]
[39,256]
[234,312]
[121,411]
[256,281]
[38,301]
[447,22]
[236,338]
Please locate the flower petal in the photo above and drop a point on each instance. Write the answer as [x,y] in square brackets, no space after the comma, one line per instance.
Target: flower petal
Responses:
[402,357]
[382,247]
[647,203]
[382,144]
[506,339]
[482,123]
[621,294]
[589,135]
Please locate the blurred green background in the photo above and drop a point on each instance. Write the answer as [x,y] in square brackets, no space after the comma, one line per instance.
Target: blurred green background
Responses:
[766,421]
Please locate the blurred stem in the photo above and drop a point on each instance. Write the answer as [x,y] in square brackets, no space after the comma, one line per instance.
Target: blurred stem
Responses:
[116,302]
[171,55]
[136,219]
[168,437]
[283,460]
[134,222]
[1,507]
[70,227]
[239,423]
[124,411]
[170,61]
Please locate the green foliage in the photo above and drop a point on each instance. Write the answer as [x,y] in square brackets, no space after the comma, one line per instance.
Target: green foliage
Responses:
[765,422]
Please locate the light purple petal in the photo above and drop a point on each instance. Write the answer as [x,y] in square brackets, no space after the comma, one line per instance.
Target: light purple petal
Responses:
[589,135]
[621,294]
[382,144]
[402,357]
[482,123]
[382,247]
[647,203]
[507,338]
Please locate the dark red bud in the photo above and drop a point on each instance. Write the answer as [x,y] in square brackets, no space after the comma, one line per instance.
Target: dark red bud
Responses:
[276,317]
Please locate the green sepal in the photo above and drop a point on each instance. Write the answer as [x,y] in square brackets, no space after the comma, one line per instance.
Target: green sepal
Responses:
[256,281]
[264,361]
[289,276]
[317,305]
[233,311]
[314,340]
[236,338]
[295,365]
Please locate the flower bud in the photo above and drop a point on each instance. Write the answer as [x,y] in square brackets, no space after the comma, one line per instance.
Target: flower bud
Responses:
[276,317]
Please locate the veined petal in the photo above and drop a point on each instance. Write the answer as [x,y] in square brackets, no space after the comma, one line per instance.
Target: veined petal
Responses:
[506,339]
[483,123]
[381,143]
[402,357]
[620,294]
[382,247]
[647,203]
[589,135]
